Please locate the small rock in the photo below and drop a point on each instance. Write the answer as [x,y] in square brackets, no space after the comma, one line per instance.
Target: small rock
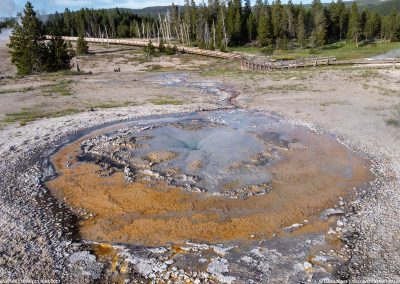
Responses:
[330,212]
[307,265]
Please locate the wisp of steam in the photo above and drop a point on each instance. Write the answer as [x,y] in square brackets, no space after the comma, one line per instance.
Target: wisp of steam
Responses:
[7,8]
[5,35]
[395,53]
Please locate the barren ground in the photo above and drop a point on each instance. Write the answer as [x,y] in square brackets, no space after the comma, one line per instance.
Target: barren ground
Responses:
[360,106]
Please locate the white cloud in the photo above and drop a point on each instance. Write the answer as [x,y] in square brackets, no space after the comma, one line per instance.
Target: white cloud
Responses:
[110,3]
[72,3]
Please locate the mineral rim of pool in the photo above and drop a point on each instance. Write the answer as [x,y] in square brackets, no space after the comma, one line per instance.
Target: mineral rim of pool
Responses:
[207,177]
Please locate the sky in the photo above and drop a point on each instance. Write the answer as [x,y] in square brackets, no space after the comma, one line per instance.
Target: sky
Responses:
[11,7]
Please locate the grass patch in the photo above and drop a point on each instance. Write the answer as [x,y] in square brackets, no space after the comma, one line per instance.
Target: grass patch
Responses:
[62,73]
[369,72]
[21,90]
[136,51]
[393,122]
[72,72]
[139,59]
[340,50]
[166,101]
[331,103]
[387,91]
[225,67]
[156,67]
[27,115]
[110,105]
[284,88]
[216,72]
[61,88]
[246,49]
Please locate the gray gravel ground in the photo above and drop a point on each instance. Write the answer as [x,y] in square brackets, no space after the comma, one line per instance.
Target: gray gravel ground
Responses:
[36,243]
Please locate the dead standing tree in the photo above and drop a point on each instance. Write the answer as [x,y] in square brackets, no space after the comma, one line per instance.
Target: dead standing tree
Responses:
[224,29]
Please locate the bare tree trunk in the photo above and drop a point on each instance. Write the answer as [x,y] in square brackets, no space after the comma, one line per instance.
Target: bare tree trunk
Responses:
[108,43]
[182,36]
[161,26]
[158,37]
[223,26]
[207,39]
[214,45]
[164,23]
[177,33]
[187,34]
[168,23]
[138,29]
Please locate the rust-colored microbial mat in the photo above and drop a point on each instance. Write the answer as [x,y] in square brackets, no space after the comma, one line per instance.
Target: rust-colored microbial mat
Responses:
[304,174]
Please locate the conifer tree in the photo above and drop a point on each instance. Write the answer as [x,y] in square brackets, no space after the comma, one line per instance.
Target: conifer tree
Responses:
[82,46]
[57,56]
[230,21]
[343,19]
[30,53]
[221,36]
[262,33]
[372,25]
[71,49]
[277,12]
[224,22]
[258,10]
[301,28]
[26,43]
[238,26]
[174,20]
[187,16]
[193,18]
[149,50]
[318,35]
[354,24]
[245,22]
[290,24]
[392,26]
[251,27]
[265,31]
[161,46]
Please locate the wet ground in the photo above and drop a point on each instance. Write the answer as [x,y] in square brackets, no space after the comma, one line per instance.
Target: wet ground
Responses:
[232,191]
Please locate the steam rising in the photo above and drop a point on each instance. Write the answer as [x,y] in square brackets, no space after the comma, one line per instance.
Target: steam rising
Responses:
[7,8]
[4,35]
[395,53]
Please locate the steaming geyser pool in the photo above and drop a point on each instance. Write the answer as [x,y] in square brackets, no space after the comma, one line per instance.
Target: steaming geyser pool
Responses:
[219,176]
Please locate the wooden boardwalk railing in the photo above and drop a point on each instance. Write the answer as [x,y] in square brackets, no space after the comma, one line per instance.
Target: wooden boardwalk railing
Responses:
[253,64]
[142,43]
[246,62]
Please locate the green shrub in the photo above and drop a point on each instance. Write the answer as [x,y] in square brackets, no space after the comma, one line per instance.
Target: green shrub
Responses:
[82,46]
[171,50]
[149,50]
[269,50]
[161,46]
